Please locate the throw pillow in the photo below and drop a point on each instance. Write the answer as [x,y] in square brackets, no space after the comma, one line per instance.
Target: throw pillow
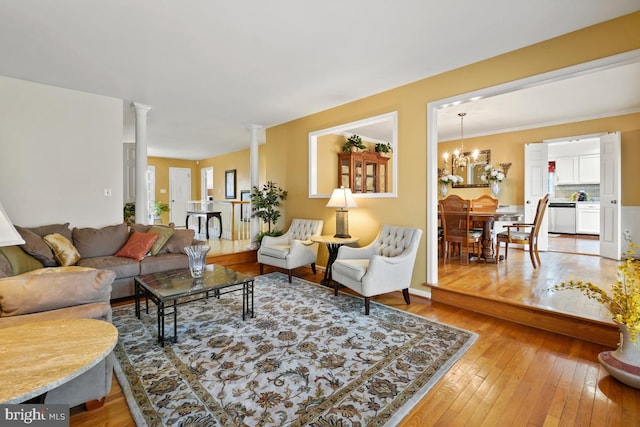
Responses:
[105,241]
[137,246]
[20,261]
[164,233]
[64,251]
[144,228]
[179,240]
[35,246]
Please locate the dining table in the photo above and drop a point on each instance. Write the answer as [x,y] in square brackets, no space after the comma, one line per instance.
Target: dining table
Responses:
[488,219]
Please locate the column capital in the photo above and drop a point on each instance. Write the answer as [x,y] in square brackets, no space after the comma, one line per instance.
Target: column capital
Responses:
[140,107]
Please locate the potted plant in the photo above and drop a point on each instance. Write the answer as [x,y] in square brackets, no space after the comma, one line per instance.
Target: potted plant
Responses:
[353,143]
[383,148]
[129,213]
[264,203]
[623,303]
[158,208]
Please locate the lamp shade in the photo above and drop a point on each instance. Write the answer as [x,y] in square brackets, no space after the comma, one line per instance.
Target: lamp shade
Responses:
[8,234]
[342,198]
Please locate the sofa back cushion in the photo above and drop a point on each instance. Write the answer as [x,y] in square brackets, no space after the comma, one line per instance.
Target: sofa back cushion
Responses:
[93,242]
[53,288]
[178,241]
[44,230]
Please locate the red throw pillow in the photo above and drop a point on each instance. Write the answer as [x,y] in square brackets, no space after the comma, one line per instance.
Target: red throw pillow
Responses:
[138,245]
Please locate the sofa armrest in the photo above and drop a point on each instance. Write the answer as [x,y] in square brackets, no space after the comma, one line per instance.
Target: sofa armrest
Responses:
[53,288]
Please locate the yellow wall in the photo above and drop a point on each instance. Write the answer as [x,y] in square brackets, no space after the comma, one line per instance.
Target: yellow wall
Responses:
[238,160]
[162,166]
[509,147]
[286,150]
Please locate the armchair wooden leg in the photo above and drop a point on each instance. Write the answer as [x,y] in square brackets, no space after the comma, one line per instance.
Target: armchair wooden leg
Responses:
[335,288]
[367,303]
[405,294]
[313,267]
[261,268]
[289,272]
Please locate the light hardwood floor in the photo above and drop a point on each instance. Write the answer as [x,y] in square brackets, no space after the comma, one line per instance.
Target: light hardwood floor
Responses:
[513,375]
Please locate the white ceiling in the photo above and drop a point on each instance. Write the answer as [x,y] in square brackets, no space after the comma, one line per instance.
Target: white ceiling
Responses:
[211,68]
[604,92]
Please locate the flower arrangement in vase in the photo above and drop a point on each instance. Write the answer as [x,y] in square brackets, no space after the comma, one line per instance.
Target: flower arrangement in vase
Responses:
[493,177]
[447,179]
[624,306]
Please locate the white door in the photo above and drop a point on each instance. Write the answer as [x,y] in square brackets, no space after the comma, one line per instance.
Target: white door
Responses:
[536,177]
[610,196]
[179,194]
[206,183]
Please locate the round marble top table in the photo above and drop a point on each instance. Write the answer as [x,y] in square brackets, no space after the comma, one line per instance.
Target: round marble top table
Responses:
[39,356]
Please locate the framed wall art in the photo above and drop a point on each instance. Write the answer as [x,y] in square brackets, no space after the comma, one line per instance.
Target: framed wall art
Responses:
[230,184]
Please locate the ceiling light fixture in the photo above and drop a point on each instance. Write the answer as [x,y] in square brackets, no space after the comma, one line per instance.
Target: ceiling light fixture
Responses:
[459,159]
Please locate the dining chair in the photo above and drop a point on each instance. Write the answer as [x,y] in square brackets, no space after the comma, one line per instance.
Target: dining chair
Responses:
[484,203]
[456,225]
[524,234]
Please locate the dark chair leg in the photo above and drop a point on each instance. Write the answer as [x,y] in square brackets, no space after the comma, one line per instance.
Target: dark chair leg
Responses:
[261,268]
[335,288]
[313,267]
[405,294]
[367,303]
[289,272]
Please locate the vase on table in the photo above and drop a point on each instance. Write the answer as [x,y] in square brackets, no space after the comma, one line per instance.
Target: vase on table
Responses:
[444,189]
[197,259]
[624,363]
[495,188]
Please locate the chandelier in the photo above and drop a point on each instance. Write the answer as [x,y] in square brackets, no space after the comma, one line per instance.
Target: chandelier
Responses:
[459,159]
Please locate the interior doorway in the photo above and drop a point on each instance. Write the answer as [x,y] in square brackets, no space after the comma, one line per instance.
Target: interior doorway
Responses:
[179,194]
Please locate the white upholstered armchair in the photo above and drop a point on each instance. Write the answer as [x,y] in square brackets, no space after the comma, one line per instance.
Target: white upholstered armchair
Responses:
[294,248]
[385,265]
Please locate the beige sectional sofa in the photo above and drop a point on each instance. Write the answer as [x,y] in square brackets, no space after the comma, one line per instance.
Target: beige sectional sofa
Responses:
[96,248]
[34,286]
[63,293]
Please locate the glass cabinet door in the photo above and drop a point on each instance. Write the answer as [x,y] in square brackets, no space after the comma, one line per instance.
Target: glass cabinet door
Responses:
[344,173]
[371,177]
[358,178]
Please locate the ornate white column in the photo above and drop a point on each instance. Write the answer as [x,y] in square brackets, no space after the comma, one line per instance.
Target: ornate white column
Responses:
[141,110]
[253,174]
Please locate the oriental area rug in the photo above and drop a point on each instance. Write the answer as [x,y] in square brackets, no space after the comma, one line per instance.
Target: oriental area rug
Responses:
[306,358]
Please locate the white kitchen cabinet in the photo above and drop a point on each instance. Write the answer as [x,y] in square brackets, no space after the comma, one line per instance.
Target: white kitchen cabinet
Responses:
[589,169]
[588,218]
[567,170]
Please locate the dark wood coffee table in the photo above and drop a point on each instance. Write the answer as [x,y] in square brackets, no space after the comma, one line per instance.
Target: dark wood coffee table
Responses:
[175,287]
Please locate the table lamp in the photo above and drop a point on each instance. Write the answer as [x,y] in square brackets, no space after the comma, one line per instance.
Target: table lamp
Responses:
[8,234]
[342,199]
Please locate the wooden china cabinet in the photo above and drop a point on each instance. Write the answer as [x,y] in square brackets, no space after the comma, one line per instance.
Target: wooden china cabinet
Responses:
[363,172]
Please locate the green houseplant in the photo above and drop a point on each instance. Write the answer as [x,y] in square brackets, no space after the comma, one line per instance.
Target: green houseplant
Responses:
[158,208]
[354,141]
[129,213]
[382,147]
[264,204]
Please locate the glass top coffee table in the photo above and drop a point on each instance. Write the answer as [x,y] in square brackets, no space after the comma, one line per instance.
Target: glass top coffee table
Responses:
[174,287]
